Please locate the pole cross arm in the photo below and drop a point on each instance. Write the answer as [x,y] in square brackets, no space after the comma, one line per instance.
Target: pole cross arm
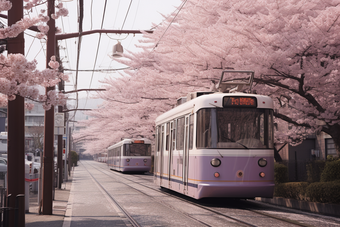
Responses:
[66,92]
[69,110]
[78,34]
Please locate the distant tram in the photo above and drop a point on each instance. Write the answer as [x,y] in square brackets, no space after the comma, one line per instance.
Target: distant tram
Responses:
[130,155]
[217,145]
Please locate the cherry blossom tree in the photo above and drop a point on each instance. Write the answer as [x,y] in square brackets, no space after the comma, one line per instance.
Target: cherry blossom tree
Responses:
[19,76]
[292,46]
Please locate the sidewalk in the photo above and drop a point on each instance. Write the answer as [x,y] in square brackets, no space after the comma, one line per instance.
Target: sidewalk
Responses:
[33,219]
[80,202]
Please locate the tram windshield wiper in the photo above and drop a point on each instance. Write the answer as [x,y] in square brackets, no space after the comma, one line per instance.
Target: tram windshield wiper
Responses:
[242,145]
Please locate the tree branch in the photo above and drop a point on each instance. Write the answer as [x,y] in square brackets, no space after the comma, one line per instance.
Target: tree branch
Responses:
[67,92]
[290,120]
[154,98]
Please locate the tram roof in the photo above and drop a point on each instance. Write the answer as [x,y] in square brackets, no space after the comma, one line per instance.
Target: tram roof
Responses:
[129,141]
[214,100]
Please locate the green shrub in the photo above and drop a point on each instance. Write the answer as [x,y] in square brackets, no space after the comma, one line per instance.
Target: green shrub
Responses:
[280,173]
[292,190]
[324,192]
[331,171]
[314,170]
[332,158]
[74,158]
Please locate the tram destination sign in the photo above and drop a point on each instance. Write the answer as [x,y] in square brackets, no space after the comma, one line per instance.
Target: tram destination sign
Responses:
[239,101]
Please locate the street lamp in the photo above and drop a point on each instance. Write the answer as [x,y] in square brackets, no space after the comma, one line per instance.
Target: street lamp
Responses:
[117,50]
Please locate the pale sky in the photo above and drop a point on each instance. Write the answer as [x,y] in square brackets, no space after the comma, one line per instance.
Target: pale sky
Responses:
[141,15]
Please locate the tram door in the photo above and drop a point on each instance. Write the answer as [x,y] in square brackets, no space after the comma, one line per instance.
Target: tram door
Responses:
[171,141]
[186,154]
[162,154]
[121,153]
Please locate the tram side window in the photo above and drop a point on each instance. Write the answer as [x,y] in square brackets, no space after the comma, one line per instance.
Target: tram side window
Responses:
[203,139]
[191,131]
[173,134]
[167,137]
[270,129]
[180,134]
[116,151]
[162,138]
[158,138]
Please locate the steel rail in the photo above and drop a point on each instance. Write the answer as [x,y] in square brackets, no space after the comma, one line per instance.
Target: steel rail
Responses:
[164,204]
[126,213]
[217,212]
[171,207]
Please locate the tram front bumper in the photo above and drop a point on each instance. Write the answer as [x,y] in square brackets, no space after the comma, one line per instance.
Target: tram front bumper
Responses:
[235,190]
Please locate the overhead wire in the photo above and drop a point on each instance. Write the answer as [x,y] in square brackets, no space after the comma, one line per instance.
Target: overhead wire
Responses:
[126,15]
[170,24]
[80,28]
[124,22]
[114,22]
[66,47]
[100,40]
[134,20]
[95,61]
[91,15]
[34,39]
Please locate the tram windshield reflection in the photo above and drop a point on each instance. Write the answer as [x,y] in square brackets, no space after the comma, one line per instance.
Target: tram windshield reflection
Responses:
[137,149]
[244,128]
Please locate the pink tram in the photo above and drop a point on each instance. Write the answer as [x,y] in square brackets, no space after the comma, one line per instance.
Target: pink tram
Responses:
[217,145]
[130,155]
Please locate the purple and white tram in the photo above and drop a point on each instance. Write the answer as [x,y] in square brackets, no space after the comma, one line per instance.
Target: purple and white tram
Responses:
[130,155]
[217,145]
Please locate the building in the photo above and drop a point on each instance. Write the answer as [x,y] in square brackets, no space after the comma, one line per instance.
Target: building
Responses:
[34,128]
[315,147]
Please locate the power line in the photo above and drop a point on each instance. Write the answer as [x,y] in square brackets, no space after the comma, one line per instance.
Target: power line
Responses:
[96,70]
[170,24]
[126,15]
[95,61]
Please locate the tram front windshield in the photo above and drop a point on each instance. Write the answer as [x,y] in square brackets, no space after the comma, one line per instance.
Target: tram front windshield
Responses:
[137,149]
[235,128]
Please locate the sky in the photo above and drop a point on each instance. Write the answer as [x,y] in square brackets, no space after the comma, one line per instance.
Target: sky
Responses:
[96,49]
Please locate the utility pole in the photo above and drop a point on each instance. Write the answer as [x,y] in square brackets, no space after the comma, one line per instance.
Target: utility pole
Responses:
[16,130]
[60,137]
[48,166]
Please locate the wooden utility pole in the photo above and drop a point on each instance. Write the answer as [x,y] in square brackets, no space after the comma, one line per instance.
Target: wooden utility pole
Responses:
[16,130]
[48,164]
[60,137]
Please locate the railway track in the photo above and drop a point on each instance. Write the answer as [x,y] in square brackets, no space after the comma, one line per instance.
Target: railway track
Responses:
[207,207]
[132,221]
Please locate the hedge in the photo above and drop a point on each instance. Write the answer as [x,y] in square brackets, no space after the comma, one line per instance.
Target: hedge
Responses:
[292,190]
[280,173]
[74,158]
[324,192]
[331,171]
[314,170]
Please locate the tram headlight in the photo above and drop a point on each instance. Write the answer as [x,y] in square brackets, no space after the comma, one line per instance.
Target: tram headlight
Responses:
[215,162]
[145,160]
[262,162]
[127,160]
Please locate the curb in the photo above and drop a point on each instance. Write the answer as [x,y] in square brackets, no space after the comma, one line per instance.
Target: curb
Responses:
[321,208]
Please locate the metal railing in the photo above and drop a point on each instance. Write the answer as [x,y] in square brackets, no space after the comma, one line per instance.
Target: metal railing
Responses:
[5,211]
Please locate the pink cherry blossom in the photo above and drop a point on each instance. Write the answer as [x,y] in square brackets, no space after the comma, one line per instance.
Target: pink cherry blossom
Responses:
[18,76]
[292,46]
